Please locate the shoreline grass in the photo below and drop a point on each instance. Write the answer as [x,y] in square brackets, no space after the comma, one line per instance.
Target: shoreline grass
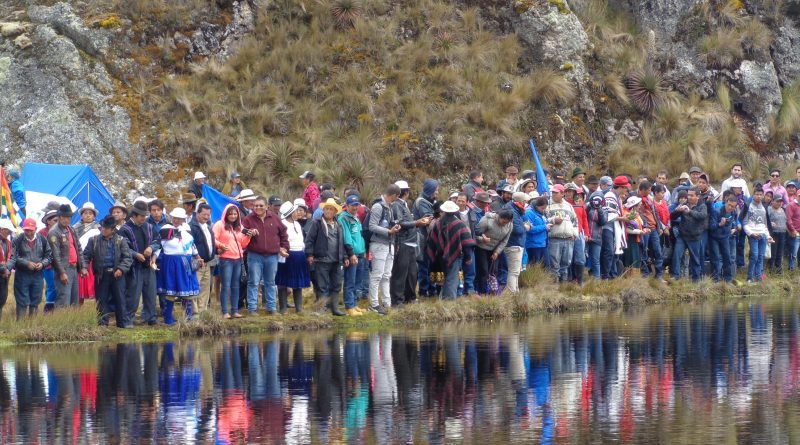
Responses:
[540,295]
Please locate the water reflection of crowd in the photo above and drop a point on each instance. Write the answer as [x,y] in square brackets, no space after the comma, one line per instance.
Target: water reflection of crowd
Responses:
[583,383]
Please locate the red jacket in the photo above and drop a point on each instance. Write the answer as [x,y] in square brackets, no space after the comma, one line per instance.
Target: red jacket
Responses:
[662,211]
[272,234]
[583,219]
[793,216]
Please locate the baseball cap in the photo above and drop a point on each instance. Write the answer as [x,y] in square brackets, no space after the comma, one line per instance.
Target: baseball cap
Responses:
[402,184]
[275,200]
[353,200]
[307,174]
[558,188]
[621,181]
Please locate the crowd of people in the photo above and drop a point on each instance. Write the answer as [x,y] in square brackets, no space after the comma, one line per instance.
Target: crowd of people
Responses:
[393,250]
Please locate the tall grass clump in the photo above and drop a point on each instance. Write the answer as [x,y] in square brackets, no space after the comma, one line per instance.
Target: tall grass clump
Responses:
[64,325]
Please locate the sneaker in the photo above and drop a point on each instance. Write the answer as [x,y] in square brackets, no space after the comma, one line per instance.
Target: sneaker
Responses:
[377,309]
[227,316]
[359,310]
[237,315]
[353,312]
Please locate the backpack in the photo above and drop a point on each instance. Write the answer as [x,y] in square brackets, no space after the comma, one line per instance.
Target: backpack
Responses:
[365,232]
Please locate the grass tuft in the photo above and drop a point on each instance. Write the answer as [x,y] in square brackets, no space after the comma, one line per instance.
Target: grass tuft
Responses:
[65,325]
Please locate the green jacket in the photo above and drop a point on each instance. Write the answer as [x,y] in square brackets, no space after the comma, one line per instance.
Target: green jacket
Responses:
[352,233]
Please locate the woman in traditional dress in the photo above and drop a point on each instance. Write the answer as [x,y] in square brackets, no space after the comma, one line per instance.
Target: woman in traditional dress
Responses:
[176,278]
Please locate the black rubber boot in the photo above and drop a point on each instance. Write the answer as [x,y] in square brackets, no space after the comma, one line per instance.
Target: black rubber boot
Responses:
[334,303]
[282,296]
[298,299]
[578,271]
[21,310]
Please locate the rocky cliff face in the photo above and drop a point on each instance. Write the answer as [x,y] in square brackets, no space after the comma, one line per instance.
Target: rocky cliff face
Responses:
[67,90]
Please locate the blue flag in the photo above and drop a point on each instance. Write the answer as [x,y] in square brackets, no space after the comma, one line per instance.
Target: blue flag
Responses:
[541,179]
[217,201]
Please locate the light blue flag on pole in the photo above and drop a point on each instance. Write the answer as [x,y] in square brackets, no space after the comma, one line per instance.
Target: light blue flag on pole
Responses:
[541,179]
[217,201]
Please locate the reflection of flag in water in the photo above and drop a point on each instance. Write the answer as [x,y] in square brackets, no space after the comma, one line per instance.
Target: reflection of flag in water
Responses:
[8,208]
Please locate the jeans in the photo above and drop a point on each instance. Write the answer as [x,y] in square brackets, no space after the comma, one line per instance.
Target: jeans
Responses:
[721,259]
[423,276]
[230,272]
[27,288]
[110,289]
[756,266]
[740,249]
[329,278]
[381,275]
[514,259]
[403,283]
[579,251]
[778,248]
[140,281]
[678,249]
[792,244]
[732,240]
[696,256]
[50,285]
[3,293]
[67,294]
[362,278]
[351,283]
[536,255]
[651,243]
[261,267]
[608,255]
[594,258]
[450,286]
[502,268]
[469,272]
[560,251]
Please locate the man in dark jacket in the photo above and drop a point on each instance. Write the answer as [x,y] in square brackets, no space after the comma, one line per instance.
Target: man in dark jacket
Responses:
[694,221]
[423,207]
[268,241]
[30,255]
[475,184]
[204,241]
[140,280]
[327,251]
[402,285]
[111,259]
[67,258]
[722,225]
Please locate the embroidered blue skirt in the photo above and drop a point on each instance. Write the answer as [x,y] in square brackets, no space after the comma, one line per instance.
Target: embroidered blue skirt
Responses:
[175,277]
[294,273]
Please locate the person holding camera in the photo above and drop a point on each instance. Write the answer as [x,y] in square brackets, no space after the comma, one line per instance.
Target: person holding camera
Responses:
[383,228]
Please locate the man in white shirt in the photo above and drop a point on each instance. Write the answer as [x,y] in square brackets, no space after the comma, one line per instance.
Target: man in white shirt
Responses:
[736,173]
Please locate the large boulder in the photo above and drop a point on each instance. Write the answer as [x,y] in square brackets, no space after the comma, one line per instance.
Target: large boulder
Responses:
[660,16]
[786,52]
[761,96]
[59,103]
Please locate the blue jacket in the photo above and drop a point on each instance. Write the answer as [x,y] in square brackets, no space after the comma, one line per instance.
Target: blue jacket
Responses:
[717,213]
[517,238]
[18,193]
[537,236]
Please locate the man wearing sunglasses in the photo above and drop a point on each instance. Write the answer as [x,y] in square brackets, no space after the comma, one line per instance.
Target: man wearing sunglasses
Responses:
[774,186]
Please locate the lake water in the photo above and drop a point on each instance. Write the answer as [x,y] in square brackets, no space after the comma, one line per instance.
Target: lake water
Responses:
[705,374]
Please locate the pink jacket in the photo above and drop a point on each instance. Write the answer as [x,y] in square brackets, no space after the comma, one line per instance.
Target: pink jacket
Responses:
[230,237]
[311,195]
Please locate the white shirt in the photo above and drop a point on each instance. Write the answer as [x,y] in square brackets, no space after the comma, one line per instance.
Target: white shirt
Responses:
[295,233]
[207,234]
[179,245]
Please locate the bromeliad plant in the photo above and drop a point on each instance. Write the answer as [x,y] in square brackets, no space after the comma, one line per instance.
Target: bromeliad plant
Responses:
[645,89]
